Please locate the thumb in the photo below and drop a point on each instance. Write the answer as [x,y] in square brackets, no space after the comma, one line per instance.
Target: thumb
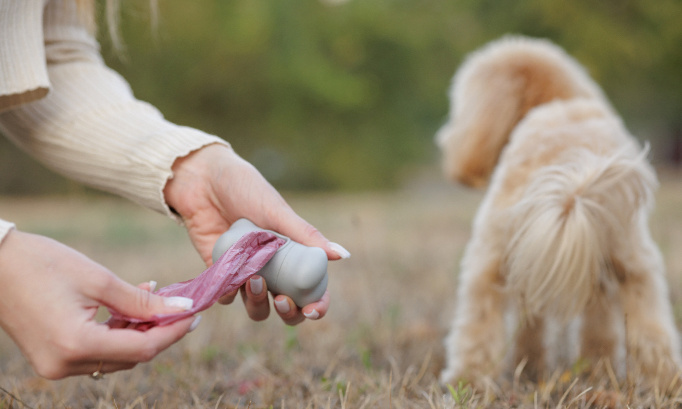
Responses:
[139,302]
[296,228]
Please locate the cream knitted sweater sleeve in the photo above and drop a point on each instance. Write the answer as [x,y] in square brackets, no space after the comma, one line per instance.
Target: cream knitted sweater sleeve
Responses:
[89,126]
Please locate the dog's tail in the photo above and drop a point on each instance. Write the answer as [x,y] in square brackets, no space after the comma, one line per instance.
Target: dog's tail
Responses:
[493,90]
[566,222]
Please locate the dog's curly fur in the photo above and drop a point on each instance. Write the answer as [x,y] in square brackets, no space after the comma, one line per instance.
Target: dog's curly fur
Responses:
[561,263]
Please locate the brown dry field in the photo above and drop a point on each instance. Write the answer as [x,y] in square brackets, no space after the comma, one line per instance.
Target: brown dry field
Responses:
[380,346]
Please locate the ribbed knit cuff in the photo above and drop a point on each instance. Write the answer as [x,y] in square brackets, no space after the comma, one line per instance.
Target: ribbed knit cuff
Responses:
[23,75]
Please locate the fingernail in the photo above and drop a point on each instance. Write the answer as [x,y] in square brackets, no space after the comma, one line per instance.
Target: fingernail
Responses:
[339,250]
[152,286]
[282,306]
[195,323]
[256,285]
[182,303]
[312,315]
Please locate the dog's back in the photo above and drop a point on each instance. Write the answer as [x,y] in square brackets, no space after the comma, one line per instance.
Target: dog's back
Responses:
[570,192]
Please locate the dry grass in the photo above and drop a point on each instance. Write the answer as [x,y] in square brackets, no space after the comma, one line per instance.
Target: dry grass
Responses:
[380,345]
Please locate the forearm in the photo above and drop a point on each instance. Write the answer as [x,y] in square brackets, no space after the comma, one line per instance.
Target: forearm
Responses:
[91,128]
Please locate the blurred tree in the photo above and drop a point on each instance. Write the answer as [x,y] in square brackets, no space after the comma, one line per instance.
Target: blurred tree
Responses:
[631,47]
[348,94]
[317,96]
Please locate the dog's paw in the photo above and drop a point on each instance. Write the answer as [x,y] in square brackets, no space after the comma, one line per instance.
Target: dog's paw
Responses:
[454,376]
[655,364]
[451,376]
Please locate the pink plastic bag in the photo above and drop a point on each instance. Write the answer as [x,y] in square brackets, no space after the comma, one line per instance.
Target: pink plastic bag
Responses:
[244,259]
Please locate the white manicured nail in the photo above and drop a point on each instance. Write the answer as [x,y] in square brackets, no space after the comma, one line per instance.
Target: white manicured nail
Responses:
[339,250]
[152,286]
[256,285]
[312,315]
[195,323]
[182,303]
[282,306]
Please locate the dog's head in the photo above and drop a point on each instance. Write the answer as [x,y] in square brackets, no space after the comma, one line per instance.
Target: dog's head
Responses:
[469,157]
[493,90]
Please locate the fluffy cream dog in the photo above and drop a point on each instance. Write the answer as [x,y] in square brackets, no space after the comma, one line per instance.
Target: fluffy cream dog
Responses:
[561,263]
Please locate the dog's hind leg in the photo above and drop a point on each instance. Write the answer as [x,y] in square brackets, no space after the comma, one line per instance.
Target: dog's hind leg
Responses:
[652,340]
[476,343]
[530,347]
[602,332]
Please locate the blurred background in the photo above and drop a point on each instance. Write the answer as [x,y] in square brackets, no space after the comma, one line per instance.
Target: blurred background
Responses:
[343,97]
[347,95]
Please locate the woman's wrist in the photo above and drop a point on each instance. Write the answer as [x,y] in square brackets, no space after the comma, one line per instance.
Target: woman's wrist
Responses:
[191,175]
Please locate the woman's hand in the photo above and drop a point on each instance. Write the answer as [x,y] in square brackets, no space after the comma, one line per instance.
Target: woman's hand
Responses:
[49,295]
[211,189]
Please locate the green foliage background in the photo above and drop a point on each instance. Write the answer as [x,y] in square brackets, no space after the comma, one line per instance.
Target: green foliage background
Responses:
[348,94]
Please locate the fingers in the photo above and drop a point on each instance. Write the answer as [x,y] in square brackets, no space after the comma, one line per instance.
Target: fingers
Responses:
[339,250]
[138,302]
[148,286]
[128,346]
[115,349]
[287,310]
[291,225]
[255,296]
[295,227]
[317,310]
[292,315]
[228,298]
[256,301]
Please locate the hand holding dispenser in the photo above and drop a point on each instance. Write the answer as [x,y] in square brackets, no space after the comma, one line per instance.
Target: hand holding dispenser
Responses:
[296,270]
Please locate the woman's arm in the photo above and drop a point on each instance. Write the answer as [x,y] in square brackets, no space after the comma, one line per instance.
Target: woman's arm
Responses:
[90,127]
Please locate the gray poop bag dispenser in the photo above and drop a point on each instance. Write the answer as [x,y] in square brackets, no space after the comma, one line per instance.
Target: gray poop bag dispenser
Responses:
[295,270]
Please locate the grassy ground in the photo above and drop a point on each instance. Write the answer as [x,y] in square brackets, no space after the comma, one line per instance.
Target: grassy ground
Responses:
[380,345]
